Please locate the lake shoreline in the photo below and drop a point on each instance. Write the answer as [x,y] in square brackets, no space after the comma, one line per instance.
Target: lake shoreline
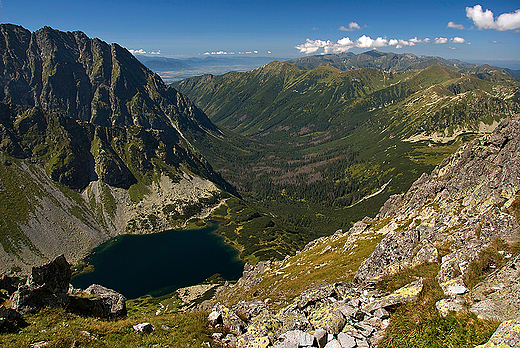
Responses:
[160,263]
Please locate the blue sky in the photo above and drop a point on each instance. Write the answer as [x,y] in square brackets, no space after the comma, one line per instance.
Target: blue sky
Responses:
[467,30]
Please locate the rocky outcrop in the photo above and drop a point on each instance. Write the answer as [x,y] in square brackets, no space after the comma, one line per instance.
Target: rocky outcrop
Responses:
[464,204]
[48,285]
[498,296]
[98,301]
[325,315]
[506,336]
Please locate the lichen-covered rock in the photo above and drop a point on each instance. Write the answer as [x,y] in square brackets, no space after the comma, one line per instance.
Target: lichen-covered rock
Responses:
[100,302]
[315,293]
[381,313]
[506,336]
[264,325]
[391,255]
[303,339]
[252,275]
[505,277]
[47,285]
[286,344]
[327,317]
[454,287]
[346,341]
[407,293]
[445,306]
[293,319]
[426,254]
[454,265]
[249,309]
[500,305]
[230,319]
[498,296]
[255,342]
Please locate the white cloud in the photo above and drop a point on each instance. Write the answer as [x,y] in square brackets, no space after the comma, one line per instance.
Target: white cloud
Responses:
[156,53]
[495,42]
[401,43]
[440,40]
[139,51]
[457,39]
[486,20]
[345,44]
[351,27]
[367,42]
[455,26]
[219,53]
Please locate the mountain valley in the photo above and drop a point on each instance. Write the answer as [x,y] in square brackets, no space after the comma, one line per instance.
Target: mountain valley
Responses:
[327,139]
[374,197]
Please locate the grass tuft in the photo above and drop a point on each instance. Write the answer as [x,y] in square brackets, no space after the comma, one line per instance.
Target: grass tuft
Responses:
[418,324]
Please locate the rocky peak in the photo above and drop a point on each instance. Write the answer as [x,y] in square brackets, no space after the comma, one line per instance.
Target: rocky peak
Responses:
[90,80]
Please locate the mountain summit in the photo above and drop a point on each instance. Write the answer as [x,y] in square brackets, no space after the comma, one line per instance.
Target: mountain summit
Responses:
[89,80]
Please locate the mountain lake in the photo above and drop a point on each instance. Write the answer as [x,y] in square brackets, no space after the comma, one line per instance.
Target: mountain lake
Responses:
[160,263]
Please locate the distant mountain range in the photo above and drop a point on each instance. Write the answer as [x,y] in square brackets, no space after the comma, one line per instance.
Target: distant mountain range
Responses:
[173,70]
[391,62]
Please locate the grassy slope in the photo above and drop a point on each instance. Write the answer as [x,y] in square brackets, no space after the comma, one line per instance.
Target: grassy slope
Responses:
[62,329]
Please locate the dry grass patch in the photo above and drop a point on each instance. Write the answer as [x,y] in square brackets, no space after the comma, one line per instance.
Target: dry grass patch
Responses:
[332,259]
[64,330]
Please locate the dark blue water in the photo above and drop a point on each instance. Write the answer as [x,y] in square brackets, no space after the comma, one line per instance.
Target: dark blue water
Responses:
[158,264]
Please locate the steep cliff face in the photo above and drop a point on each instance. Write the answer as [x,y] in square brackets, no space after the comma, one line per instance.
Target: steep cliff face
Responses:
[80,116]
